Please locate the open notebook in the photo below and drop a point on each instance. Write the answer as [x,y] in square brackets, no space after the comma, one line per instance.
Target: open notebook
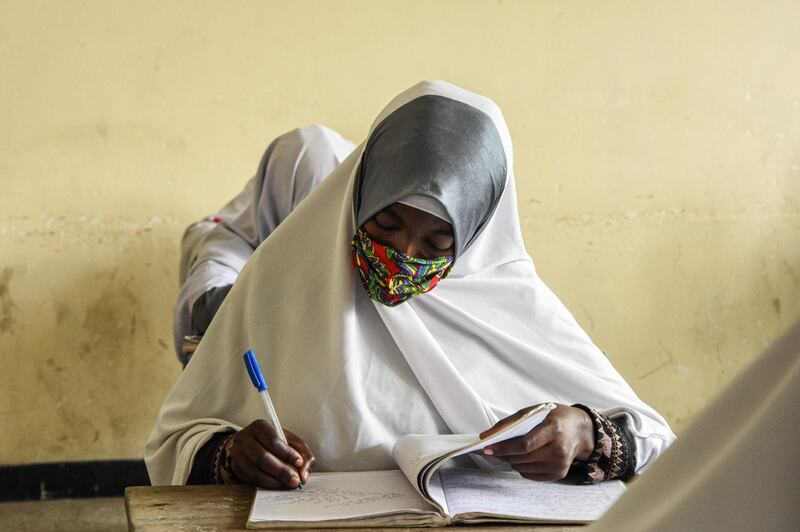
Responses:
[423,493]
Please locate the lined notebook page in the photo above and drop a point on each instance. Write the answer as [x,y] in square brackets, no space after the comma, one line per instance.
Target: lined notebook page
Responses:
[332,496]
[508,494]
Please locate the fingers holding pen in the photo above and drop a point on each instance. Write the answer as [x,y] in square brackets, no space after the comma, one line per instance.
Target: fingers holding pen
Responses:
[269,439]
[258,456]
[277,453]
[248,472]
[302,447]
[270,463]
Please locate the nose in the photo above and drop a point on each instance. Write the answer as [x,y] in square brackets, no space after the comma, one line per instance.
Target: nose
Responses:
[407,245]
[412,250]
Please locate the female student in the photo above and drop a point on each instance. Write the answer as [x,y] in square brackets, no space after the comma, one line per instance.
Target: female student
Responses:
[398,298]
[215,249]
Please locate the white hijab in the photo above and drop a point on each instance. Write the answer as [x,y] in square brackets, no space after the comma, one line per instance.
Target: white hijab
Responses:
[350,375]
[215,249]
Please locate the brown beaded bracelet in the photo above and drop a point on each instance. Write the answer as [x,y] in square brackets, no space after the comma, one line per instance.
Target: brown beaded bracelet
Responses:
[610,458]
[227,465]
[221,472]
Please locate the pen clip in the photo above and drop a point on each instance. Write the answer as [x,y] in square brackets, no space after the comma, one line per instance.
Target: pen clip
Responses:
[254,371]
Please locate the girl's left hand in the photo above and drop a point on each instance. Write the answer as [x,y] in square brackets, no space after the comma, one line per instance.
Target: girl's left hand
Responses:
[547,451]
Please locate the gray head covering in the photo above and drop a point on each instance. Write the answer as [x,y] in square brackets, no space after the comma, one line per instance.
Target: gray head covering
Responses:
[440,148]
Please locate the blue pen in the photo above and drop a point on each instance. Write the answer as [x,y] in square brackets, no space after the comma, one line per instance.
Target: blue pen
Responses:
[258,381]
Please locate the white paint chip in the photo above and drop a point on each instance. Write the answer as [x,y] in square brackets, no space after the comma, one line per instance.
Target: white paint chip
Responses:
[681,369]
[632,215]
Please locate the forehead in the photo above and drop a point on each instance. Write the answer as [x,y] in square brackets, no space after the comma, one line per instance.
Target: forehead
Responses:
[412,217]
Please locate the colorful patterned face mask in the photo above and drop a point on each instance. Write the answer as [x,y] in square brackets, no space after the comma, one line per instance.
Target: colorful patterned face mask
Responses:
[390,276]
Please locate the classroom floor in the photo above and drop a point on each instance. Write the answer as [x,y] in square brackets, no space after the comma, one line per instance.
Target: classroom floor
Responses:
[65,515]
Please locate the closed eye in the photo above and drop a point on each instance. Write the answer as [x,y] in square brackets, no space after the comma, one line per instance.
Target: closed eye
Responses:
[385,227]
[444,249]
[387,221]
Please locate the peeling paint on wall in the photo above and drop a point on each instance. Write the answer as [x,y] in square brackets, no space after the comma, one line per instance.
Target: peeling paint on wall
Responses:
[7,305]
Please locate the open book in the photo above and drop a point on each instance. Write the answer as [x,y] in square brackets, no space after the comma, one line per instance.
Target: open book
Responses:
[423,493]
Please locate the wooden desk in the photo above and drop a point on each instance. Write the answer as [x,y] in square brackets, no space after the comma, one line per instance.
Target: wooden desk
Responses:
[195,508]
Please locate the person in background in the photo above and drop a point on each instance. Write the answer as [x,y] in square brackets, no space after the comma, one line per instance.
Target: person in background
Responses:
[215,249]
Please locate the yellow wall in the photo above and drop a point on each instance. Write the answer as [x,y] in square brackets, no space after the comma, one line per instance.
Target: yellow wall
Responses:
[657,157]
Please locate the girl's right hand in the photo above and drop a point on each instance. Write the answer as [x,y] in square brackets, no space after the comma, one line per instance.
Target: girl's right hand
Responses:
[259,457]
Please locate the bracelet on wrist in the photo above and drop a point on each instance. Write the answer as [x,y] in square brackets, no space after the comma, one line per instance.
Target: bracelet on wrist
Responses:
[221,471]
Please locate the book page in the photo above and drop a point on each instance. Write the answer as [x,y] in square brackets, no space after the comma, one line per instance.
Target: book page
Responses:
[507,494]
[435,493]
[415,453]
[338,496]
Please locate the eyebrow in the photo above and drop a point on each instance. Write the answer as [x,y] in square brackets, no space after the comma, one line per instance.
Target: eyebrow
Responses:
[390,212]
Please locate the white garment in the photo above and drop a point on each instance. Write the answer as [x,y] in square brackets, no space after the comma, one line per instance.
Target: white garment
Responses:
[736,467]
[350,375]
[214,250]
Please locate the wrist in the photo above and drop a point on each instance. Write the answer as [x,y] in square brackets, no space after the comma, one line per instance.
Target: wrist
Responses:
[223,471]
[586,443]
